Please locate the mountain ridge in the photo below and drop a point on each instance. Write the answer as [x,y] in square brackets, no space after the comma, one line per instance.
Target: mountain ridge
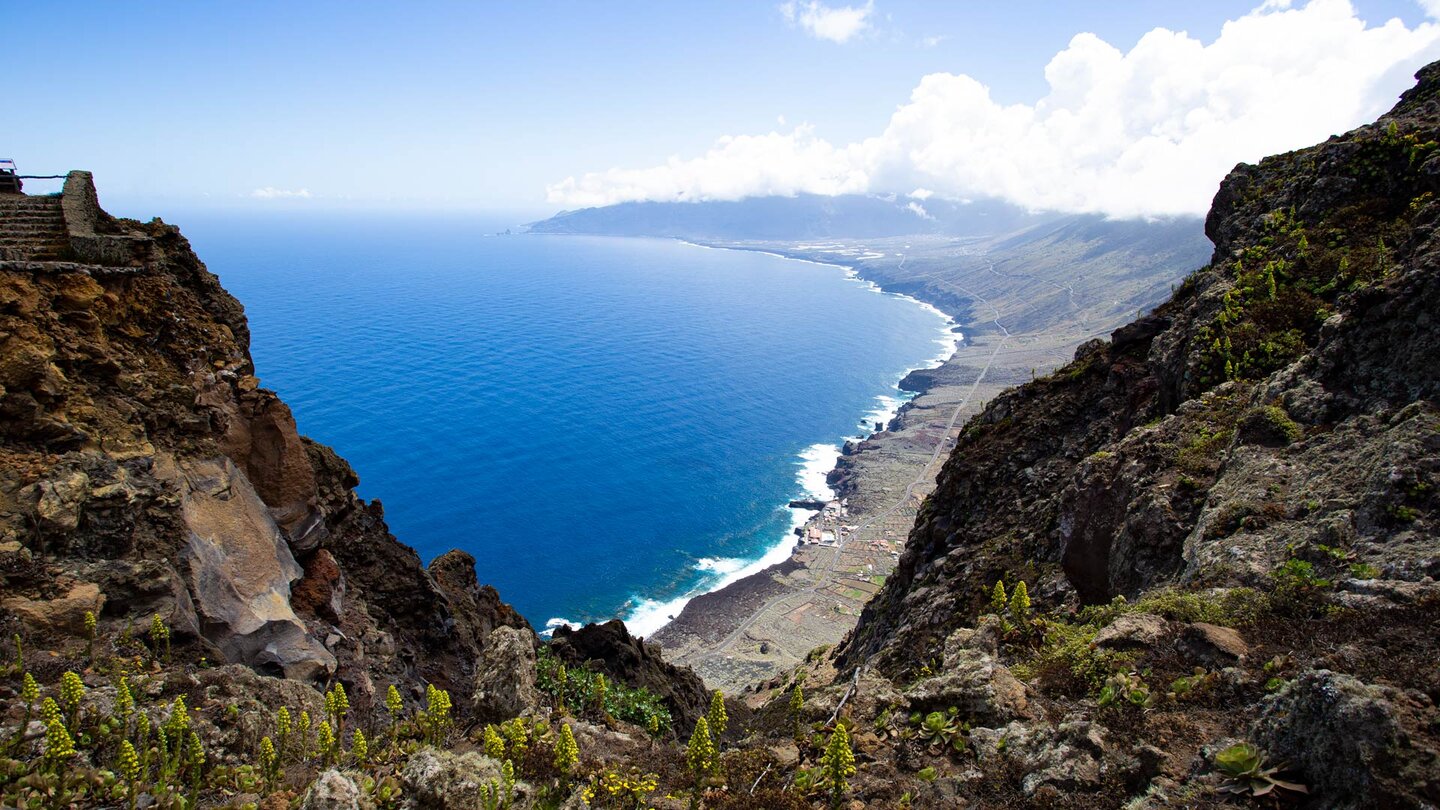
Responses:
[798,217]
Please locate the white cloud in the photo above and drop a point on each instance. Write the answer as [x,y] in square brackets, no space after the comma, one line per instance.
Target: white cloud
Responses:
[839,24]
[1150,131]
[272,193]
[931,42]
[742,166]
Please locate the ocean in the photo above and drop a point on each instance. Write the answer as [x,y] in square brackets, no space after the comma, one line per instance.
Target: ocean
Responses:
[609,425]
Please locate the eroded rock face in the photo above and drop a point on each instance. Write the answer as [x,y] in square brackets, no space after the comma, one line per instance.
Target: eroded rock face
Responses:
[239,571]
[1148,461]
[1258,461]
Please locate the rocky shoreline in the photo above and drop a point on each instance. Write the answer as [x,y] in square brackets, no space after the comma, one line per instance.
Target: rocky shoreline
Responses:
[701,629]
[755,628]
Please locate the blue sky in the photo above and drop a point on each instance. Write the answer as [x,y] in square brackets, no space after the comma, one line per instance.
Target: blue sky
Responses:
[471,106]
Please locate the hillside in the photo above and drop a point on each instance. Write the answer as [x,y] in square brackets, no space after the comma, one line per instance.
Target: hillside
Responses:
[1222,514]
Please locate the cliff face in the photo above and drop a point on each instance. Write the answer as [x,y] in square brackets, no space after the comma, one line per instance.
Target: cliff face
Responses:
[1274,426]
[143,470]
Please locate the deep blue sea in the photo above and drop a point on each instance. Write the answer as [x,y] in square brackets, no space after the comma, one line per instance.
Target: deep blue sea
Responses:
[608,424]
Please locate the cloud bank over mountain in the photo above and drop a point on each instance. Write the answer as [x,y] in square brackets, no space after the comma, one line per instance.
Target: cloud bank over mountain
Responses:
[1144,132]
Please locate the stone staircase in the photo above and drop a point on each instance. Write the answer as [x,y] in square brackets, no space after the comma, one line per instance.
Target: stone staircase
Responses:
[32,228]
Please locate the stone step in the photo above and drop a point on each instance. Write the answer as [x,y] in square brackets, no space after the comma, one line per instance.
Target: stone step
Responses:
[33,252]
[29,206]
[32,215]
[31,224]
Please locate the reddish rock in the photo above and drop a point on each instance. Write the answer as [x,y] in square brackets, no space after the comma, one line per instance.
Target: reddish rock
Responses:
[321,590]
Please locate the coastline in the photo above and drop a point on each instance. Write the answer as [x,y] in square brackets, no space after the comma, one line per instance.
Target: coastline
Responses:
[818,465]
[705,619]
[1018,324]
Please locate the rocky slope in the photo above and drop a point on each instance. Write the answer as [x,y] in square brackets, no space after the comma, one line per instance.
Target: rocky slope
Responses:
[1260,452]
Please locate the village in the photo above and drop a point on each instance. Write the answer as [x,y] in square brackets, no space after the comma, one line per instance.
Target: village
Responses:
[828,529]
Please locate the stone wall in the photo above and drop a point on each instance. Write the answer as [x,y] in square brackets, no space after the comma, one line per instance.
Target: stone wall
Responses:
[85,222]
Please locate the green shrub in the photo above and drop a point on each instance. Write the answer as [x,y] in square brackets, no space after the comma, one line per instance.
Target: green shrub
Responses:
[1067,651]
[1233,607]
[1363,571]
[581,694]
[1270,425]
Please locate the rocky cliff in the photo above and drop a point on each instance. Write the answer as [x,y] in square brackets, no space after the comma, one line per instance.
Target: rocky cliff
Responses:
[1261,452]
[144,471]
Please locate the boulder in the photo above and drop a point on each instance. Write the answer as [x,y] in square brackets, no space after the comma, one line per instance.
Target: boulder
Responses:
[1133,631]
[440,780]
[983,637]
[1355,744]
[976,684]
[257,697]
[785,753]
[1065,757]
[505,676]
[59,501]
[1213,645]
[334,790]
[239,571]
[63,614]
